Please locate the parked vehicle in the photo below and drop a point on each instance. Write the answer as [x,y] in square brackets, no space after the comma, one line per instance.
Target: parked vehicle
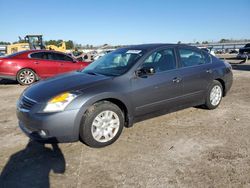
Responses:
[29,66]
[120,88]
[1,54]
[244,52]
[233,51]
[220,51]
[102,53]
[208,50]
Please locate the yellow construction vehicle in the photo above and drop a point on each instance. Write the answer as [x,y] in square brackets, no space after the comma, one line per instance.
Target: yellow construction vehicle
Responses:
[60,48]
[31,42]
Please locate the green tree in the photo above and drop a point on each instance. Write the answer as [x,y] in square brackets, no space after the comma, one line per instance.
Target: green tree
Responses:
[224,40]
[69,44]
[4,43]
[51,42]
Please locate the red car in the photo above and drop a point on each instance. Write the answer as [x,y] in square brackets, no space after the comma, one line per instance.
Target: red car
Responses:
[29,66]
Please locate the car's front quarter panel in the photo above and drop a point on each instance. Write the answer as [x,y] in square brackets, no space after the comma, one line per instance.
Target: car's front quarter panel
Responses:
[65,125]
[111,90]
[59,126]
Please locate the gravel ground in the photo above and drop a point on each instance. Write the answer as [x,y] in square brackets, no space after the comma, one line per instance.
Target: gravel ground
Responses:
[189,148]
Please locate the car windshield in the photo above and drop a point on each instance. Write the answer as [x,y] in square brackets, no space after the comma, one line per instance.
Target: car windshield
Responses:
[115,63]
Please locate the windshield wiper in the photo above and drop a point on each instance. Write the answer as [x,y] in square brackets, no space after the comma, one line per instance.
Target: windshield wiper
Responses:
[97,73]
[91,73]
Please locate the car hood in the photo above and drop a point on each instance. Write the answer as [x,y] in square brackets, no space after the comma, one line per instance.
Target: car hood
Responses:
[75,81]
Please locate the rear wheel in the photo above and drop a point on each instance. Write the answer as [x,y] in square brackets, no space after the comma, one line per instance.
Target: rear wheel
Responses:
[26,77]
[102,124]
[214,95]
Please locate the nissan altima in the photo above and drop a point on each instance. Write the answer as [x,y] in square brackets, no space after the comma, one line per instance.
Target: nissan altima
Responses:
[128,84]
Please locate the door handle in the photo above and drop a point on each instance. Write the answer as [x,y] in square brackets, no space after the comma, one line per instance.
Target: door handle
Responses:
[176,80]
[209,71]
[36,62]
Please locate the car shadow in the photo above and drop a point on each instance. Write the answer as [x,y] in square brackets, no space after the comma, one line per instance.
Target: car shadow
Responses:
[31,166]
[8,82]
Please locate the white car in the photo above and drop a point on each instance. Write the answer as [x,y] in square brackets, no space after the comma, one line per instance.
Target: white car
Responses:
[208,50]
[102,53]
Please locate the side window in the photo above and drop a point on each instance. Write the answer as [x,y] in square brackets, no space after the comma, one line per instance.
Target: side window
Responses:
[61,57]
[161,60]
[67,58]
[191,57]
[207,57]
[40,55]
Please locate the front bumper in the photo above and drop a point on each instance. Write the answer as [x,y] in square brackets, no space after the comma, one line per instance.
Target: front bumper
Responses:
[50,127]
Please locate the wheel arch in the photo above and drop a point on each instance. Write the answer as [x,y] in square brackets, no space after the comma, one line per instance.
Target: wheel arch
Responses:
[222,82]
[121,105]
[37,76]
[86,101]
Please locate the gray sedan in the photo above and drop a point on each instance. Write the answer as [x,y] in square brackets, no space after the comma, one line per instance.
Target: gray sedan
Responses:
[122,87]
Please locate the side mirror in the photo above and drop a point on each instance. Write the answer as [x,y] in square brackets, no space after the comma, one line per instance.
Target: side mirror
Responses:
[145,71]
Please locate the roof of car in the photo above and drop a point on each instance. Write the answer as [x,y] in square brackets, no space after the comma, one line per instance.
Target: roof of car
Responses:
[154,46]
[31,51]
[25,53]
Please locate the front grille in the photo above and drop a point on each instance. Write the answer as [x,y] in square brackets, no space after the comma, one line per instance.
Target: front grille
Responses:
[26,103]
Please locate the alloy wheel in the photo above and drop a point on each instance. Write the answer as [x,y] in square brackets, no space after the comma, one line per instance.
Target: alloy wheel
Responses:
[215,95]
[105,126]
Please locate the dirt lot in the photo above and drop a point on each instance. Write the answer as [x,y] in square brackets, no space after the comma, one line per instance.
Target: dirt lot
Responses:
[189,148]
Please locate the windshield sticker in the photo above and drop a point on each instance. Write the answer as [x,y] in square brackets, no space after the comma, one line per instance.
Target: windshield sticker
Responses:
[133,51]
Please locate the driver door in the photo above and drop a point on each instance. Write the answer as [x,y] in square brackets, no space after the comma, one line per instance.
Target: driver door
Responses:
[160,90]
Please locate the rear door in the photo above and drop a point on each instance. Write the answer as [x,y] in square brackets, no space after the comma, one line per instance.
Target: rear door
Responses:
[44,64]
[160,90]
[196,74]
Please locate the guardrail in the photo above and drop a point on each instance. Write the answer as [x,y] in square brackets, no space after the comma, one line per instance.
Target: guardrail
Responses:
[2,48]
[229,45]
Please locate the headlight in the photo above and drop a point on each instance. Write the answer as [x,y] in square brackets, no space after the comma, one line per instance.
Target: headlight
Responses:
[59,102]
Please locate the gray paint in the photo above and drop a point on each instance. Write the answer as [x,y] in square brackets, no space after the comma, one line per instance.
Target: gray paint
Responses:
[140,95]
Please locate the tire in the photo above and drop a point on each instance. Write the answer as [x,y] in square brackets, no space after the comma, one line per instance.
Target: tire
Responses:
[102,124]
[26,77]
[215,90]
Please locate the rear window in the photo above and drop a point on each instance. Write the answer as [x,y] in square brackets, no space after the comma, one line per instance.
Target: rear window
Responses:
[191,57]
[207,57]
[14,54]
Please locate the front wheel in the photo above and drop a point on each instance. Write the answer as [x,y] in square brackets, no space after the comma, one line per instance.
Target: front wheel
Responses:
[214,95]
[102,124]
